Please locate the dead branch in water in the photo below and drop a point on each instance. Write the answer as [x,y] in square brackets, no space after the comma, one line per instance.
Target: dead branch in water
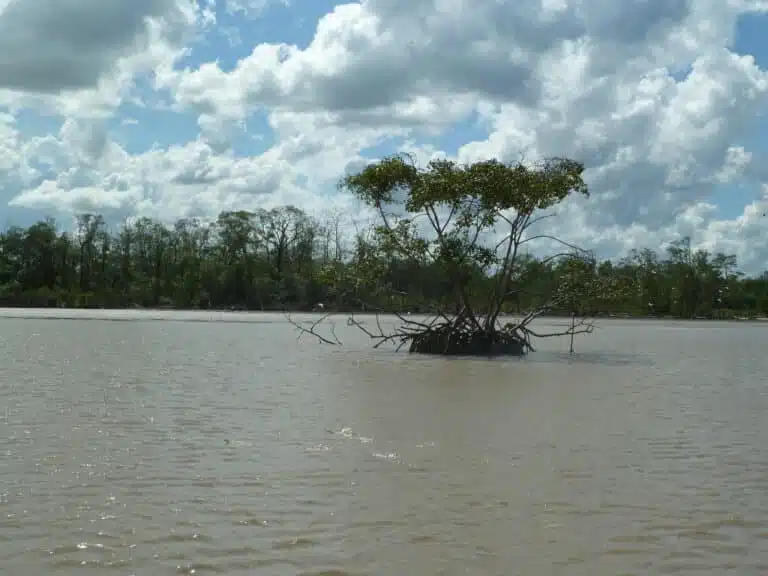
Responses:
[312,330]
[582,326]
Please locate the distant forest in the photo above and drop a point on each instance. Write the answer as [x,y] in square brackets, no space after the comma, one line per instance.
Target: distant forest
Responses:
[283,259]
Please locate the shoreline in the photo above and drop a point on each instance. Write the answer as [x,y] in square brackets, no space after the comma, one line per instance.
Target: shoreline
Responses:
[115,313]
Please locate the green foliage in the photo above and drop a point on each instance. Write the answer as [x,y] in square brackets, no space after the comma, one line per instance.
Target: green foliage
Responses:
[282,259]
[476,194]
[584,290]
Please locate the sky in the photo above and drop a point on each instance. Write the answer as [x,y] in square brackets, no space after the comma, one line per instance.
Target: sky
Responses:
[185,108]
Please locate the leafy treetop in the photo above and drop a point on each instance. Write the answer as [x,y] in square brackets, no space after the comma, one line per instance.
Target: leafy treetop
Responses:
[477,193]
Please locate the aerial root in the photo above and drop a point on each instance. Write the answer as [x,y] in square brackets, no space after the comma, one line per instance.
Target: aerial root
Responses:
[467,340]
[460,336]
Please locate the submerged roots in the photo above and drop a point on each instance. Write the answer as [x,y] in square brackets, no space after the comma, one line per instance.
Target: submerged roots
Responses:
[449,339]
[444,336]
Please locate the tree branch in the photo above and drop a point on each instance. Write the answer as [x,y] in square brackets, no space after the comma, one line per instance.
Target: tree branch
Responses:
[312,330]
[573,247]
[583,326]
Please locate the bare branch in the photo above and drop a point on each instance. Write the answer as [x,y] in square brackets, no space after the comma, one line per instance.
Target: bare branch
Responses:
[544,262]
[583,326]
[573,247]
[312,330]
[503,241]
[381,337]
[538,219]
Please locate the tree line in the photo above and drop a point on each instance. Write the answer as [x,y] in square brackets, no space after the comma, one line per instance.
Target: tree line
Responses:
[285,259]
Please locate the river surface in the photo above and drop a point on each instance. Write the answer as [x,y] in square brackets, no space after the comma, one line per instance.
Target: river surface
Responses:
[206,443]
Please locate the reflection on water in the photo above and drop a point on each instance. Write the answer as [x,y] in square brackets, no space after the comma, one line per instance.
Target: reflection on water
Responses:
[227,447]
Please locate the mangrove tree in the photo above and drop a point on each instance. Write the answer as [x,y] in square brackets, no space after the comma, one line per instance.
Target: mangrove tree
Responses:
[474,223]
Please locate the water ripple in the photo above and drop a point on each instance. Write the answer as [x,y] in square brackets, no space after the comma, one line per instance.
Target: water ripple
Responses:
[228,448]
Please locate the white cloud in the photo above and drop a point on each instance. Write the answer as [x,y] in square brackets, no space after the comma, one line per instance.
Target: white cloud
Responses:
[79,57]
[249,8]
[649,94]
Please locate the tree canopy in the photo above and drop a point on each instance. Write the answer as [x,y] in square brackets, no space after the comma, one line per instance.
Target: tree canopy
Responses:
[285,259]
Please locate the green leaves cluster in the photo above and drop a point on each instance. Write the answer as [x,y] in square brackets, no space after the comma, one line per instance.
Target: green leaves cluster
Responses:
[477,192]
[582,290]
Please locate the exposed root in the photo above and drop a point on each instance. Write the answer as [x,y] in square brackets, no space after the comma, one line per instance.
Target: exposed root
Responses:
[446,336]
[446,339]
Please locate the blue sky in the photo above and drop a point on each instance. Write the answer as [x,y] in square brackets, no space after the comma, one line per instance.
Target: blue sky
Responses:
[751,40]
[201,114]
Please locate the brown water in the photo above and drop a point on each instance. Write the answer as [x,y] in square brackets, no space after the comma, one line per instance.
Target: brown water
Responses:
[155,447]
